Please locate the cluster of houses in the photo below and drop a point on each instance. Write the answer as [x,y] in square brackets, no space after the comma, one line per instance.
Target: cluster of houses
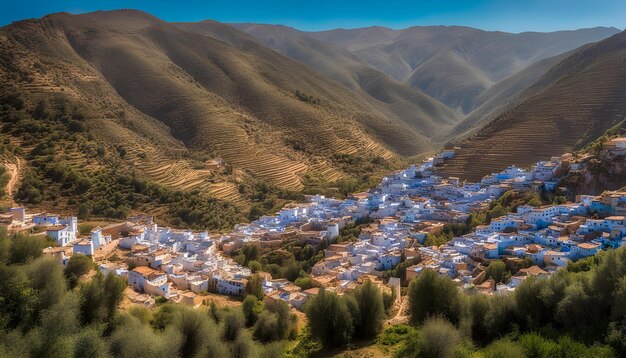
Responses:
[400,213]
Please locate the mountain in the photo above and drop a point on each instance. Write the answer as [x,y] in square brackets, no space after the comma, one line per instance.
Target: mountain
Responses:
[452,64]
[393,98]
[204,124]
[169,99]
[503,96]
[575,102]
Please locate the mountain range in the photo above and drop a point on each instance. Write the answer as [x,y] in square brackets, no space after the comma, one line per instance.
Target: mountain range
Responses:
[301,110]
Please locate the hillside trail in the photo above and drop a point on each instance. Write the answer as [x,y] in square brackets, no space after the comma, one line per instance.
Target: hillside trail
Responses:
[14,170]
[402,314]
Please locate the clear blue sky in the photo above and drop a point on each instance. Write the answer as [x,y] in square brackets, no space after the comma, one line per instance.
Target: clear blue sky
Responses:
[504,15]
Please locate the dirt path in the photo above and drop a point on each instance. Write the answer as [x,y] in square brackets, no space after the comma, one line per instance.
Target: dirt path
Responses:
[14,170]
[402,314]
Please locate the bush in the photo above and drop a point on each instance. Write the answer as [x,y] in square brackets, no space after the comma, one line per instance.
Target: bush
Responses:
[251,308]
[232,324]
[437,338]
[395,334]
[254,286]
[503,348]
[371,311]
[431,295]
[329,319]
[275,323]
[497,271]
[255,266]
[77,266]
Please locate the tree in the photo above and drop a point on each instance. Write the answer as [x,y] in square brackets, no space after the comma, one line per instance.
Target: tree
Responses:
[18,300]
[578,312]
[89,343]
[26,248]
[304,283]
[251,308]
[503,348]
[250,252]
[437,338]
[197,332]
[276,322]
[232,324]
[255,266]
[99,298]
[371,310]
[266,327]
[530,305]
[254,286]
[496,270]
[478,306]
[243,347]
[500,316]
[78,265]
[329,319]
[143,342]
[432,295]
[46,277]
[164,316]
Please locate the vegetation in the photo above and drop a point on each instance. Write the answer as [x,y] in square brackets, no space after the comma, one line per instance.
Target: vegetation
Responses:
[56,128]
[336,321]
[41,317]
[497,271]
[77,266]
[306,98]
[432,295]
[254,286]
[291,261]
[576,310]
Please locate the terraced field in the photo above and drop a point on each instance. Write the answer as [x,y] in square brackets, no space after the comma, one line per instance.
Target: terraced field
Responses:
[579,99]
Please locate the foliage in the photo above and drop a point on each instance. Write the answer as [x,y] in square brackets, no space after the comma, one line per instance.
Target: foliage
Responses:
[395,334]
[20,248]
[306,98]
[99,298]
[254,286]
[449,232]
[371,310]
[252,307]
[232,324]
[432,295]
[497,271]
[275,323]
[77,266]
[329,319]
[437,338]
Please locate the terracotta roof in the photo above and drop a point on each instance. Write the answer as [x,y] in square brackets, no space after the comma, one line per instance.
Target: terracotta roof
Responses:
[533,271]
[312,291]
[491,246]
[588,245]
[143,270]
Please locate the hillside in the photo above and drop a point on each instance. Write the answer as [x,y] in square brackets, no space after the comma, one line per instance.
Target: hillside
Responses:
[160,102]
[393,98]
[454,64]
[600,168]
[503,96]
[571,105]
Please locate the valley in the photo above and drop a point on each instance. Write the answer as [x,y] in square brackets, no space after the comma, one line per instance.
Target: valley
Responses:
[176,186]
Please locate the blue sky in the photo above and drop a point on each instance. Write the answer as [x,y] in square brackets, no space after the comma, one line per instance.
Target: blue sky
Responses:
[504,15]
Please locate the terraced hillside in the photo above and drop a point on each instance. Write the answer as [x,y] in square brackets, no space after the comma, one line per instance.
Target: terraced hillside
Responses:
[571,105]
[174,99]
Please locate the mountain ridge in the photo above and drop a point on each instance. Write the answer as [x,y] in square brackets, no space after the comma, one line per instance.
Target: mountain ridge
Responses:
[453,64]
